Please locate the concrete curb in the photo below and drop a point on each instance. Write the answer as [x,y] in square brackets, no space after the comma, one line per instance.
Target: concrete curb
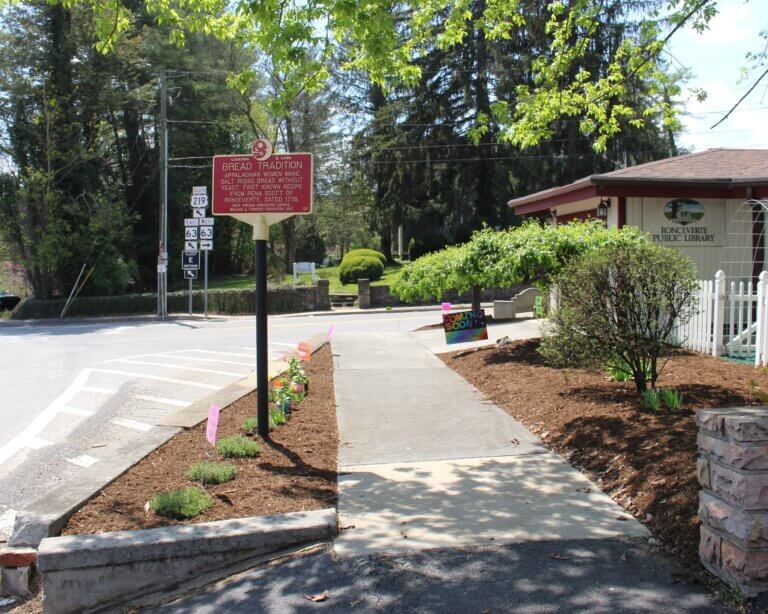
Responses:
[48,515]
[82,572]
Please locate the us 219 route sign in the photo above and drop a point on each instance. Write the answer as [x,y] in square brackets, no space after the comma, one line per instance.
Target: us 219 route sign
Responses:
[278,183]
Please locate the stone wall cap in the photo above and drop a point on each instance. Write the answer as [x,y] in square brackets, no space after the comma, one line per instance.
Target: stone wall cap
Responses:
[735,423]
[80,551]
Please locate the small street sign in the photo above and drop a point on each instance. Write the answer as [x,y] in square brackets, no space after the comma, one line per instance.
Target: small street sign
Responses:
[207,221]
[199,189]
[206,232]
[162,268]
[206,246]
[199,201]
[190,233]
[192,221]
[198,213]
[190,273]
[190,260]
[190,246]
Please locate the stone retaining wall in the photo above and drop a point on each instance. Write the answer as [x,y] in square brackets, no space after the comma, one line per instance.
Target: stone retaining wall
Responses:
[380,296]
[733,506]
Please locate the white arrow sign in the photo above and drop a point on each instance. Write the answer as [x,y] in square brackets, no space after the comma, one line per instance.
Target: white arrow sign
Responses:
[198,213]
[190,246]
[206,246]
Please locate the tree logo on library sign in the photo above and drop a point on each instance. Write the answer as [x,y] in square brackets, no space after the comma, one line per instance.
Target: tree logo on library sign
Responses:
[261,149]
[684,211]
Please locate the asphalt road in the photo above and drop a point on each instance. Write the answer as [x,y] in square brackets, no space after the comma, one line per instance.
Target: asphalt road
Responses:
[74,392]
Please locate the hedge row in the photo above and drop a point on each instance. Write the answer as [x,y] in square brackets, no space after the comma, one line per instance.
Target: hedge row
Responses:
[233,301]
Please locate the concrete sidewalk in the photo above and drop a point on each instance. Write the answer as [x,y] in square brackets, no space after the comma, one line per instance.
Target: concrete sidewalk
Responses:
[426,462]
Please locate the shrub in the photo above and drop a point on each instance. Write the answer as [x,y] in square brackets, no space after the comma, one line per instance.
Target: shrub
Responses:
[230,301]
[250,426]
[368,253]
[671,398]
[650,400]
[181,504]
[237,446]
[211,473]
[620,301]
[360,267]
[276,416]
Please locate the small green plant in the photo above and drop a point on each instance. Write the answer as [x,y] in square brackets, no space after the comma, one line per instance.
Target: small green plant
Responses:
[619,370]
[283,395]
[237,446]
[181,504]
[671,398]
[207,472]
[388,308]
[296,372]
[651,400]
[276,416]
[566,377]
[250,426]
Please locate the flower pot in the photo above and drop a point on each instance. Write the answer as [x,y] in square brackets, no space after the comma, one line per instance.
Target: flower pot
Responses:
[284,405]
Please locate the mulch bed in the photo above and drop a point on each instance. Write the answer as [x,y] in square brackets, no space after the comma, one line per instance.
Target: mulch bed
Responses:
[296,470]
[645,462]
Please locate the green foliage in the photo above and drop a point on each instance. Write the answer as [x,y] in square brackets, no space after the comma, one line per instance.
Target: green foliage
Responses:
[181,504]
[531,253]
[233,301]
[360,267]
[310,246]
[650,399]
[276,416]
[672,399]
[619,370]
[620,302]
[250,426]
[211,473]
[296,372]
[367,253]
[237,446]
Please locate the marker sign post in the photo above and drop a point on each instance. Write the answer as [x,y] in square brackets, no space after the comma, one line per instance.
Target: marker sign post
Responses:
[261,189]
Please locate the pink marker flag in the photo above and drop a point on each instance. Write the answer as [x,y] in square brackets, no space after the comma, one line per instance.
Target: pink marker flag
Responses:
[330,331]
[445,306]
[213,424]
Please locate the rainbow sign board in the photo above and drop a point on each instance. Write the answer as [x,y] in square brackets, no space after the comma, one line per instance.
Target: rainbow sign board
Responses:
[465,326]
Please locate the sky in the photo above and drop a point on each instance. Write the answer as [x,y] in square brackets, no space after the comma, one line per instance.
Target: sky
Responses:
[715,59]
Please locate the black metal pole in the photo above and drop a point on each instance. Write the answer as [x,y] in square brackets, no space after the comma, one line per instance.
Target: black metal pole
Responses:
[262,358]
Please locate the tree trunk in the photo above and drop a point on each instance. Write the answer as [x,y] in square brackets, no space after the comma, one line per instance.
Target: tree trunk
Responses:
[477,295]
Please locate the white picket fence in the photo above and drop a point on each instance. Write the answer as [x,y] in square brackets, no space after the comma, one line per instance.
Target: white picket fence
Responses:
[730,319]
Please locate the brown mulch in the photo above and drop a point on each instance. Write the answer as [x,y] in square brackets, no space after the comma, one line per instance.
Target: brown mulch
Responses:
[296,470]
[645,462]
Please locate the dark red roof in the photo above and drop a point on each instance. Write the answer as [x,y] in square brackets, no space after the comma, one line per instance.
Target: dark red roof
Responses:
[723,169]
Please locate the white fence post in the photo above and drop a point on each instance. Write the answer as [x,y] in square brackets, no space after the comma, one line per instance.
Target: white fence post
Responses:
[760,328]
[718,298]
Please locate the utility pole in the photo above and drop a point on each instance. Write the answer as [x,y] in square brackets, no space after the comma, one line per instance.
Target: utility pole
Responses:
[162,271]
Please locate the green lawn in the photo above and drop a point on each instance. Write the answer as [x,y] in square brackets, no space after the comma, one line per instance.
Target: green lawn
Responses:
[330,273]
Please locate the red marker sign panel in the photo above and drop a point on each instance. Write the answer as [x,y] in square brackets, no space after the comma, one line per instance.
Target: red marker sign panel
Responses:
[282,183]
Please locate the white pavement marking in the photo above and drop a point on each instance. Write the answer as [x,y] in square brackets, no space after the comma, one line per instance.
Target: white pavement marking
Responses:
[98,390]
[235,354]
[158,378]
[118,330]
[36,443]
[19,442]
[83,460]
[132,424]
[162,400]
[182,367]
[76,411]
[196,359]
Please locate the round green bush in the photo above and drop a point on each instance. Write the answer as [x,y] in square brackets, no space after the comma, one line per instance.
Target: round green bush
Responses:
[361,267]
[368,253]
[181,504]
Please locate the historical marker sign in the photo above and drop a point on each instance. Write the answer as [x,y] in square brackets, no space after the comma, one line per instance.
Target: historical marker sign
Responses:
[282,183]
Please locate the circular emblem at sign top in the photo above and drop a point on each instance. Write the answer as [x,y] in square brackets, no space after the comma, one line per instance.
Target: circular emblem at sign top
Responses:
[261,149]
